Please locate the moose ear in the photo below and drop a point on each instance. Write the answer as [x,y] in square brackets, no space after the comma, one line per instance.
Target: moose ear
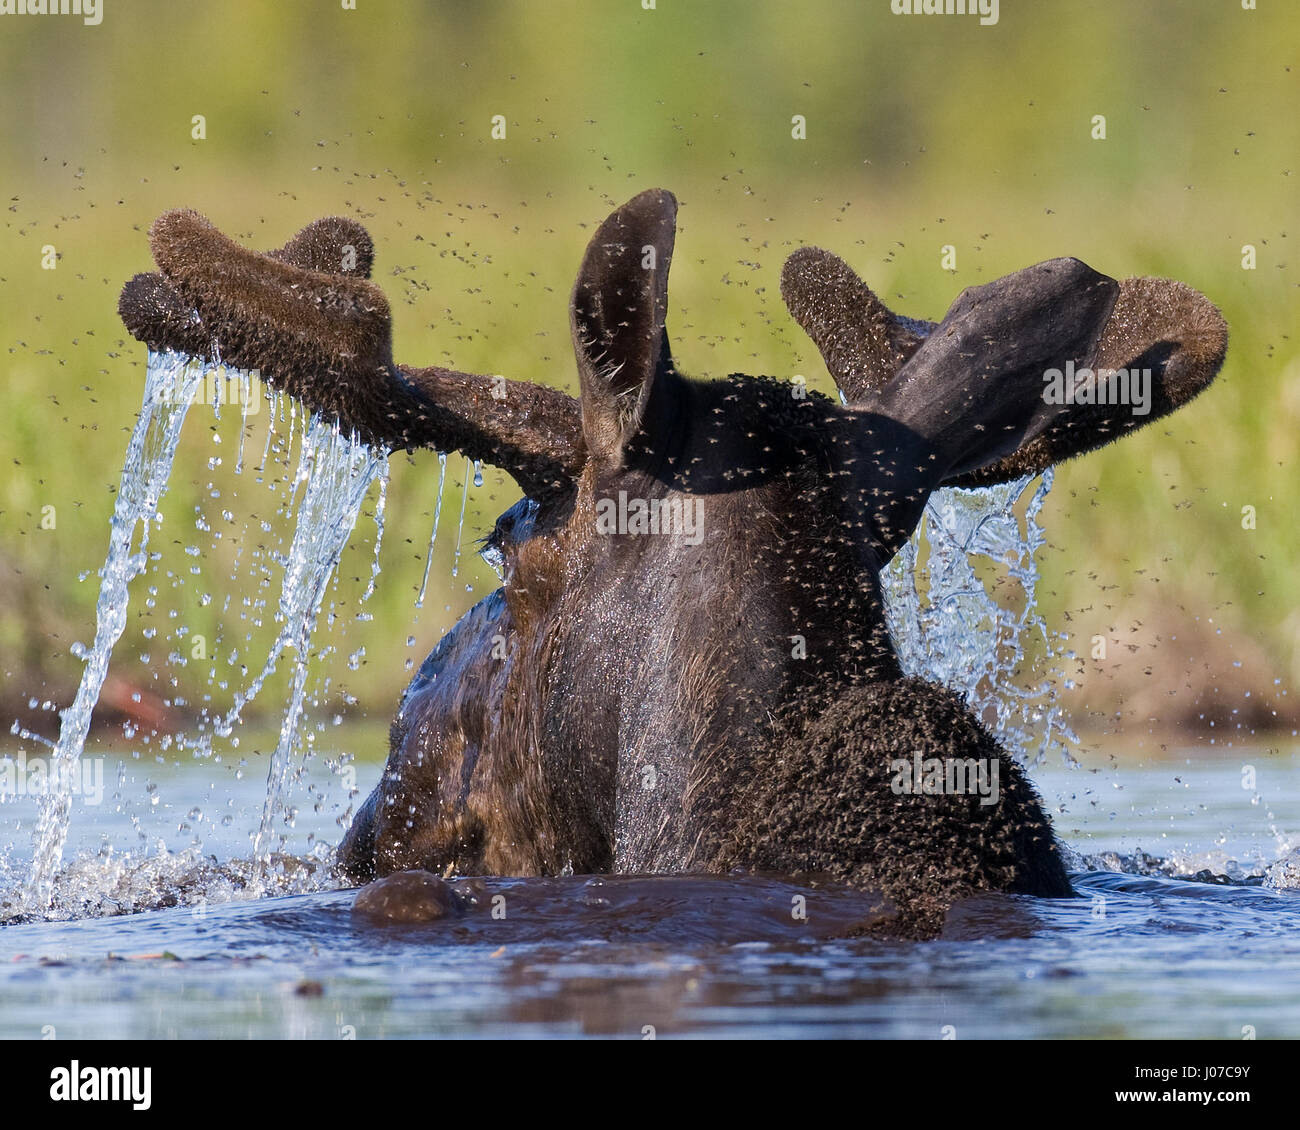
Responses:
[861,340]
[1162,345]
[619,306]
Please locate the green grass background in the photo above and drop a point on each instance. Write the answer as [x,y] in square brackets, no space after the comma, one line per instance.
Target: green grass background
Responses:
[921,132]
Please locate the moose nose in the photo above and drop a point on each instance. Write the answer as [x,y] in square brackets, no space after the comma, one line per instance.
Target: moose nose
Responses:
[356,854]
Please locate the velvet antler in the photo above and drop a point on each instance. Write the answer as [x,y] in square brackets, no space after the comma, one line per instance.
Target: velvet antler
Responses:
[990,359]
[306,318]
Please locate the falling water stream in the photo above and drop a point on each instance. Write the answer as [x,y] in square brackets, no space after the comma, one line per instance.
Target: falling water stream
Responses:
[170,385]
[337,473]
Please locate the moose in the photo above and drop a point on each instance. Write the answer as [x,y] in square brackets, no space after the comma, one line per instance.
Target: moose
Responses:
[653,698]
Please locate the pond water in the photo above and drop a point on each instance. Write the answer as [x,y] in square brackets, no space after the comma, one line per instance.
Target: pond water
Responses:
[1144,954]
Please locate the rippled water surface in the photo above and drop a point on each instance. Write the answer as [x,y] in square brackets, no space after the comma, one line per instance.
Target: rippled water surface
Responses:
[1139,954]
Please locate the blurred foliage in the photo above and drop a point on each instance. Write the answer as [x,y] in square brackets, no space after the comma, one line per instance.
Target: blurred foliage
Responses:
[921,132]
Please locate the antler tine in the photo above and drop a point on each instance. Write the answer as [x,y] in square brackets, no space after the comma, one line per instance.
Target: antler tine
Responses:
[862,341]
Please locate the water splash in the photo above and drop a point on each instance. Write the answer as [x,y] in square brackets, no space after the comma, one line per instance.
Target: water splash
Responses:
[1284,873]
[156,878]
[171,382]
[948,627]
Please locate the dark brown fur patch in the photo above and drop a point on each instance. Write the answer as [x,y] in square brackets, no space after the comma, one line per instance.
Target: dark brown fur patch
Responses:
[819,799]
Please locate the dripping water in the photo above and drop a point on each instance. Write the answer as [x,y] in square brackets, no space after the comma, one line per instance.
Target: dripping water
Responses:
[460,528]
[336,473]
[246,401]
[433,537]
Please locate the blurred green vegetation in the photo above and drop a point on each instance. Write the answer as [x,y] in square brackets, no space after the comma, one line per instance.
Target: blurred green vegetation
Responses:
[921,132]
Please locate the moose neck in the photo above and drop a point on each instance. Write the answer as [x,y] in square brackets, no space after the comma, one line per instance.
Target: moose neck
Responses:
[731,579]
[775,513]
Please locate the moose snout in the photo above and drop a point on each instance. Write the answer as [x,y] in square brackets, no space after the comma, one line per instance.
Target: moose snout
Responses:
[355,859]
[389,834]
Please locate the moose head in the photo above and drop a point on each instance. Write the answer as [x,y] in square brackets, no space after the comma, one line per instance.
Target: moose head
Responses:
[687,666]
